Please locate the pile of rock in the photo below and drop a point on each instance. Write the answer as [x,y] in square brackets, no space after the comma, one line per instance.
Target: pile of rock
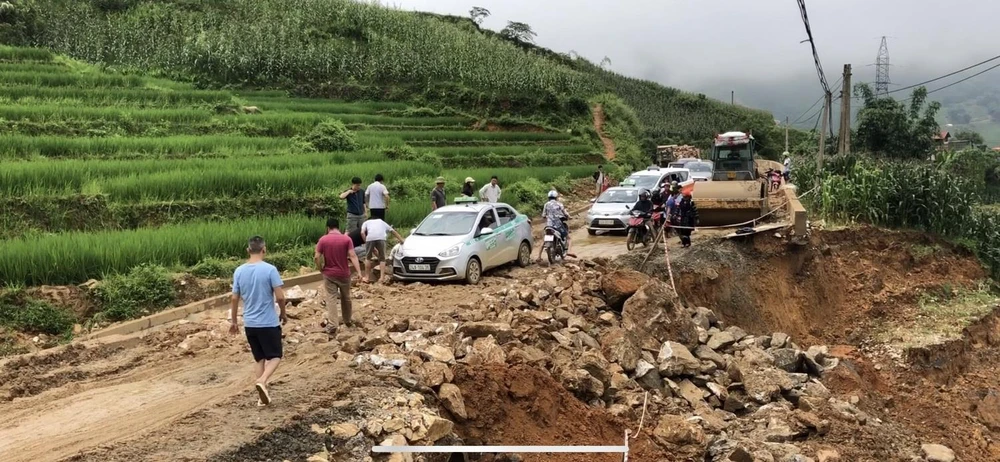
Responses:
[620,340]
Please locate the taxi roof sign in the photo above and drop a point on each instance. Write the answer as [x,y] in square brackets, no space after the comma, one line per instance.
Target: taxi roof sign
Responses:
[466,200]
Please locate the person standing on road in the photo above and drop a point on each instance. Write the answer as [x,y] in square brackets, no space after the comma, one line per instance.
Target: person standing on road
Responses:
[599,179]
[332,252]
[355,204]
[687,212]
[490,192]
[358,241]
[259,285]
[469,188]
[438,198]
[788,168]
[375,232]
[377,198]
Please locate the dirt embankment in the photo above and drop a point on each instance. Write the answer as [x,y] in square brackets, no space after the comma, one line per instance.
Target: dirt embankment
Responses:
[838,289]
[858,289]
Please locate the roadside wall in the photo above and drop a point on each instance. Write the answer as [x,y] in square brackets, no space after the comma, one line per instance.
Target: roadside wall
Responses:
[796,211]
[181,312]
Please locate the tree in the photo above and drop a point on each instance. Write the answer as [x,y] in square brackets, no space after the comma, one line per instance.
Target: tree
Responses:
[968,135]
[478,14]
[605,63]
[893,129]
[518,31]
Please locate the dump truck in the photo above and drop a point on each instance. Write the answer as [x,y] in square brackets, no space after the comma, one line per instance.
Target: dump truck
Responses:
[736,193]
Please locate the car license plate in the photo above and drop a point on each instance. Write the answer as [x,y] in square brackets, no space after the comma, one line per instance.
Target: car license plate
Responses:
[606,222]
[420,267]
[549,238]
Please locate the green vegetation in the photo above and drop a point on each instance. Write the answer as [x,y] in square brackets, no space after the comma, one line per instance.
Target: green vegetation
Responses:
[331,135]
[144,289]
[32,316]
[893,129]
[354,50]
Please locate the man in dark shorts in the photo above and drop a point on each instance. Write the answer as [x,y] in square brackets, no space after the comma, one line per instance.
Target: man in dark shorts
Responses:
[258,284]
[332,253]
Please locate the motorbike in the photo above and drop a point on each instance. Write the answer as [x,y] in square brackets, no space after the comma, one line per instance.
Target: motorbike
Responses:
[554,244]
[639,230]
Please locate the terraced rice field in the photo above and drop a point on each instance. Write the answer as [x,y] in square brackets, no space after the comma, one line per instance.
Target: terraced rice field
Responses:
[101,172]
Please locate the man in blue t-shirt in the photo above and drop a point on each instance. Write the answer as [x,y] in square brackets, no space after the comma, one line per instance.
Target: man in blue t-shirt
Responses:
[258,284]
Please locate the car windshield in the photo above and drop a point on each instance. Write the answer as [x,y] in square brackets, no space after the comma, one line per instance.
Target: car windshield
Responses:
[700,167]
[618,196]
[447,224]
[644,181]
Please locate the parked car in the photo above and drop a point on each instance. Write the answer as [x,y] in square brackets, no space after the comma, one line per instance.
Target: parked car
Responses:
[610,212]
[460,242]
[654,177]
[701,170]
[682,162]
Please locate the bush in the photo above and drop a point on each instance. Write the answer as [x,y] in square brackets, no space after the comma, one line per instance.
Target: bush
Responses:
[331,135]
[292,259]
[34,316]
[215,268]
[145,289]
[527,195]
[408,153]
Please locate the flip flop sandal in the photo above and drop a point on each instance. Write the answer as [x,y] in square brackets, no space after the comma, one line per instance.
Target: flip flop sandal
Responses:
[262,394]
[260,403]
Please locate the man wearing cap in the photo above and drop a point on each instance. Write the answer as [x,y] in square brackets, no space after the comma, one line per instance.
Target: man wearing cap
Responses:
[469,188]
[437,194]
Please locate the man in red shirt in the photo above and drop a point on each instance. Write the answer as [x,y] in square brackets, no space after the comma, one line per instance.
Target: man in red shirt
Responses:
[332,253]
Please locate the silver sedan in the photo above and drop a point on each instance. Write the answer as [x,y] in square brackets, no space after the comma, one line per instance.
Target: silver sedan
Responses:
[459,242]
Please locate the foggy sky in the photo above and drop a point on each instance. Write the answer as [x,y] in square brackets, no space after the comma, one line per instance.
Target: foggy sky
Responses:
[713,46]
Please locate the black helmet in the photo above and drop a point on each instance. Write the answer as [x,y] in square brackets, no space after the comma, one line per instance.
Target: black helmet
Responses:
[643,193]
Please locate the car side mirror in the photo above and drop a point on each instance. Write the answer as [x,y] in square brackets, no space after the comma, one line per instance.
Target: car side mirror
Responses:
[486,230]
[593,200]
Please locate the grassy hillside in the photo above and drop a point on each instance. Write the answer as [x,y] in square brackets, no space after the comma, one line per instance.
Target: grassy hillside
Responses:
[105,171]
[350,50]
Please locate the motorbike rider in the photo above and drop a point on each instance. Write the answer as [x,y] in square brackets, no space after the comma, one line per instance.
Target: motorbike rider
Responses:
[644,205]
[554,214]
[687,218]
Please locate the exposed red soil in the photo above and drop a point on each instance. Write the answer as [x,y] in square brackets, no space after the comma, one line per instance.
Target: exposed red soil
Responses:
[522,405]
[609,144]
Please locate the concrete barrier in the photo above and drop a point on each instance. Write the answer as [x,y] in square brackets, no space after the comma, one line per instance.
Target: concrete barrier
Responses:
[181,312]
[796,212]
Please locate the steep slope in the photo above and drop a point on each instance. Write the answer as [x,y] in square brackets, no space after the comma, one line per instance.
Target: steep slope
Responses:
[347,49]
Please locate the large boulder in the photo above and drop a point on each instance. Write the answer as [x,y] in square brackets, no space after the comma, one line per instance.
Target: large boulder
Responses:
[619,285]
[988,410]
[655,315]
[622,347]
[582,384]
[678,431]
[485,351]
[498,330]
[675,359]
[451,397]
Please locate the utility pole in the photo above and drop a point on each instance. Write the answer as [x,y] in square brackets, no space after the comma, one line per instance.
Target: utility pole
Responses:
[844,139]
[732,97]
[786,134]
[822,132]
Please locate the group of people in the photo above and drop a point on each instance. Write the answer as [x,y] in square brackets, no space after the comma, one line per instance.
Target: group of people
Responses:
[679,209]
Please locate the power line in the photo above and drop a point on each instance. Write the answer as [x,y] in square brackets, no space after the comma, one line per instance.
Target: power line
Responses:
[799,118]
[946,75]
[812,44]
[967,78]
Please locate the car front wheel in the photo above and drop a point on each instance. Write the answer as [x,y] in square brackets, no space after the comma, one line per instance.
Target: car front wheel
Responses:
[473,271]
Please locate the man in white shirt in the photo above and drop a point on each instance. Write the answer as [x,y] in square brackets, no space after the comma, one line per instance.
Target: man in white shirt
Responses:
[377,198]
[374,232]
[788,167]
[491,191]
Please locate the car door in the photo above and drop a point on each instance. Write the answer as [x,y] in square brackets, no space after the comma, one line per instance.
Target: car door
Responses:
[508,239]
[488,244]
